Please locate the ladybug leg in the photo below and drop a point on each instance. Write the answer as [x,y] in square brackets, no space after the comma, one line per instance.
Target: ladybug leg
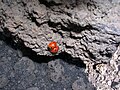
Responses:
[49,48]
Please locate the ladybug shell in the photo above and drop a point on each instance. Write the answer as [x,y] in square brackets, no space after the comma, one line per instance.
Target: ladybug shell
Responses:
[54,50]
[52,45]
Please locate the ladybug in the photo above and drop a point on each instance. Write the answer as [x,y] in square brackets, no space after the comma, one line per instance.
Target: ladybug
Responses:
[53,48]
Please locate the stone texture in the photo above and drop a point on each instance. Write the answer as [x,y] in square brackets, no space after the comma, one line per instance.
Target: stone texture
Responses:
[22,73]
[106,76]
[77,26]
[3,81]
[56,71]
[85,29]
[33,88]
[80,84]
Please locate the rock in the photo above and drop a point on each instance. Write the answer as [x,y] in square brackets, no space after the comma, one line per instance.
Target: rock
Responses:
[37,30]
[81,85]
[106,76]
[56,70]
[24,70]
[77,26]
[19,53]
[22,73]
[3,81]
[84,29]
[33,88]
[24,64]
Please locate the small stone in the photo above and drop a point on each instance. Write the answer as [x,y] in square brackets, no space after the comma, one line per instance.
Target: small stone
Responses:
[56,70]
[33,88]
[109,83]
[3,81]
[19,53]
[24,64]
[79,85]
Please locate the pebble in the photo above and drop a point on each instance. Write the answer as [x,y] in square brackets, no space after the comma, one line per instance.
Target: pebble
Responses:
[33,88]
[3,81]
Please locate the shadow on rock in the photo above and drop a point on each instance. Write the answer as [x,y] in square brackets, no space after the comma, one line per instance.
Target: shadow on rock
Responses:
[41,58]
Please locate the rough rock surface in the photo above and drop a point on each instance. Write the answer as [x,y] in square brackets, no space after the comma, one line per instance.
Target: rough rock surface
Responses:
[85,29]
[18,72]
[77,26]
[106,76]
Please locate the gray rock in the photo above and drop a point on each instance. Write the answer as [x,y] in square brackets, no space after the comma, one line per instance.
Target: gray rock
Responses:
[25,64]
[3,81]
[85,29]
[81,85]
[78,28]
[106,76]
[33,88]
[23,73]
[56,70]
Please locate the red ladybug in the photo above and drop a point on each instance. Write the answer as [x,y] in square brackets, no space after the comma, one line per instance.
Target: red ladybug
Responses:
[53,48]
